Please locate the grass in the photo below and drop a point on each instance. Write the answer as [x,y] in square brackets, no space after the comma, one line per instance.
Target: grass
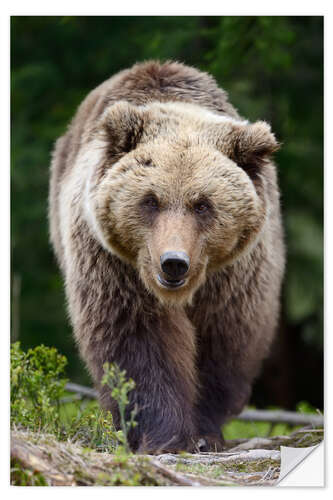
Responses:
[236,429]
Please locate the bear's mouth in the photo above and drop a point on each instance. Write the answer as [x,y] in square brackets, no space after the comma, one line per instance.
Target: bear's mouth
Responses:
[170,283]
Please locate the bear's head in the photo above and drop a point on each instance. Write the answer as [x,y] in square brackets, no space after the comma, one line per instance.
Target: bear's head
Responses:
[177,191]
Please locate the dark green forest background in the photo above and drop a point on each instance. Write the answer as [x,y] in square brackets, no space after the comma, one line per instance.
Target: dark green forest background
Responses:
[272,68]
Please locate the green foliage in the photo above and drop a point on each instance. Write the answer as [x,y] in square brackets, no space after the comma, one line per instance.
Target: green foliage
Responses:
[37,383]
[37,387]
[120,387]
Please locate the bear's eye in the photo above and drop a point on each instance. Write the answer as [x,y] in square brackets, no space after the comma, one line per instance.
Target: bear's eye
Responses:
[151,202]
[201,207]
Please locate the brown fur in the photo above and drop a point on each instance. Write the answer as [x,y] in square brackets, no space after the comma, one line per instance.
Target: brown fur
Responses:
[157,160]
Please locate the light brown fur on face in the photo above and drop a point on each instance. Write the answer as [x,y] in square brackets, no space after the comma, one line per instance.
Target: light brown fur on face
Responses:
[158,162]
[186,162]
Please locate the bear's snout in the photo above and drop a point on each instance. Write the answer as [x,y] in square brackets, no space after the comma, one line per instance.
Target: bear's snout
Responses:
[175,264]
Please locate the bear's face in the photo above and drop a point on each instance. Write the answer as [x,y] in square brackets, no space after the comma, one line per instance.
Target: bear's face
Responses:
[177,204]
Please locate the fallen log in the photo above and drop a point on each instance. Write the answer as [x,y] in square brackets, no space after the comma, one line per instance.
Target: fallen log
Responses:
[273,416]
[280,416]
[81,390]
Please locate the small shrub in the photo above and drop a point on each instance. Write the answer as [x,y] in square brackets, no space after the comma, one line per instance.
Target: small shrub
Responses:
[120,387]
[37,386]
[37,383]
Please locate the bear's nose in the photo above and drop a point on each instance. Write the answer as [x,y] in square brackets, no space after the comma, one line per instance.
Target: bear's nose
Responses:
[175,264]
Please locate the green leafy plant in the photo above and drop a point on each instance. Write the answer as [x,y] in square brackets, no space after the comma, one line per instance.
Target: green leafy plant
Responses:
[37,384]
[120,387]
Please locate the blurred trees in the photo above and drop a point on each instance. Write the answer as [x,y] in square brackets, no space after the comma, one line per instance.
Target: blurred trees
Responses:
[272,68]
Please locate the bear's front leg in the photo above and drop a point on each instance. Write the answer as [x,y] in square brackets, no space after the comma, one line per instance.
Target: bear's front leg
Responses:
[157,350]
[223,395]
[228,360]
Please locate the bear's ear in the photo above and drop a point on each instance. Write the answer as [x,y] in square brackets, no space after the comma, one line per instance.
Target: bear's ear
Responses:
[249,145]
[123,126]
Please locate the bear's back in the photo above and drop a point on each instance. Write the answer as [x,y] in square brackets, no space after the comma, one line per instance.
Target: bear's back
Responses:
[171,81]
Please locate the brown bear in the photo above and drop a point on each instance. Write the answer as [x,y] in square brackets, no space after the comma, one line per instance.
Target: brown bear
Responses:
[165,220]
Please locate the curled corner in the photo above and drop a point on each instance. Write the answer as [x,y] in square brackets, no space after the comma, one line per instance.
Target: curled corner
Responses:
[302,466]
